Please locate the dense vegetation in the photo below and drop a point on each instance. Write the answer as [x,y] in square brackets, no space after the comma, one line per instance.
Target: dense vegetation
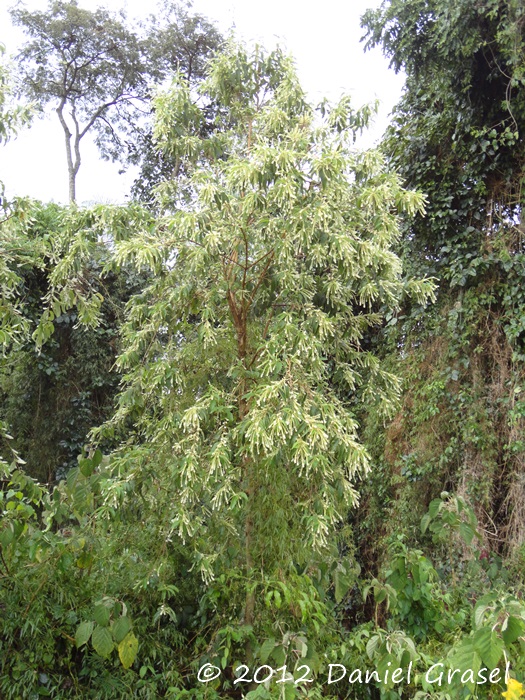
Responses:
[264,428]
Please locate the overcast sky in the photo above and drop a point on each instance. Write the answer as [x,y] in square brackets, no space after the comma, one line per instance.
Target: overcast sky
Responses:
[323,37]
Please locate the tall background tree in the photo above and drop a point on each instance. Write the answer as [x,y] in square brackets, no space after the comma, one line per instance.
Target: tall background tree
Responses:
[97,71]
[89,65]
[179,42]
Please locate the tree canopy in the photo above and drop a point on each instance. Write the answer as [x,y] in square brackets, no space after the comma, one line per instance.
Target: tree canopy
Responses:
[457,131]
[97,70]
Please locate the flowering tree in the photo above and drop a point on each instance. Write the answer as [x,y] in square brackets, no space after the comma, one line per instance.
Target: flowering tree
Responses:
[243,356]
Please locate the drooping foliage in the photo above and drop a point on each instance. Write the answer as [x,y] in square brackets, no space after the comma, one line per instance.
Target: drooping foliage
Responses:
[50,397]
[181,42]
[265,280]
[243,366]
[12,117]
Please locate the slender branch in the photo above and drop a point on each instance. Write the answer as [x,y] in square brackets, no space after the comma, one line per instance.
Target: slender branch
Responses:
[261,278]
[246,253]
[256,262]
[77,140]
[4,561]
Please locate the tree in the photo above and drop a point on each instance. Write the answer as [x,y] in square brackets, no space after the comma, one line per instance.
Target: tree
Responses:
[98,71]
[89,64]
[276,262]
[456,130]
[181,42]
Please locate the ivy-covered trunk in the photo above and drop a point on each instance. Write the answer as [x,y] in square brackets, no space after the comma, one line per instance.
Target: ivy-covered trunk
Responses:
[458,135]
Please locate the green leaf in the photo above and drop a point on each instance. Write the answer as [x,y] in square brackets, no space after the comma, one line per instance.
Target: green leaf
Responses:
[97,458]
[266,649]
[380,595]
[425,520]
[343,581]
[515,628]
[83,633]
[466,658]
[290,691]
[127,650]
[466,532]
[86,466]
[102,641]
[372,645]
[101,615]
[489,646]
[434,507]
[384,664]
[279,655]
[7,535]
[479,614]
[120,628]
[312,659]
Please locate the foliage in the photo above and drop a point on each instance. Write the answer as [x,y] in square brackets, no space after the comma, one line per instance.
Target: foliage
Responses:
[184,43]
[243,366]
[456,134]
[12,117]
[88,64]
[84,581]
[285,248]
[259,362]
[52,396]
[12,250]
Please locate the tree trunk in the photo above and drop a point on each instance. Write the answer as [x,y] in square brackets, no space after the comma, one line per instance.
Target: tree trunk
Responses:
[72,184]
[249,607]
[240,318]
[72,166]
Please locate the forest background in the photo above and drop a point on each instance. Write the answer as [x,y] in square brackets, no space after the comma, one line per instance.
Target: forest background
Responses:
[269,412]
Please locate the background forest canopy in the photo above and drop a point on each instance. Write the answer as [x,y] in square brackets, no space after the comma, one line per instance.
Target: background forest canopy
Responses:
[271,411]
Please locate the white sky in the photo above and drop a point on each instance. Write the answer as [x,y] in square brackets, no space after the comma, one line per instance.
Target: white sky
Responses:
[323,37]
